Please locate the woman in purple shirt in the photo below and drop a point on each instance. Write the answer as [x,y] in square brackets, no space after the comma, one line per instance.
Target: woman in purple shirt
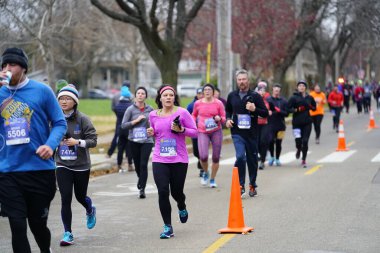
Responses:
[170,124]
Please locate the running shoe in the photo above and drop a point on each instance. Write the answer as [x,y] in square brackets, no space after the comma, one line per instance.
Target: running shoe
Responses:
[278,163]
[261,166]
[67,240]
[303,163]
[183,215]
[142,194]
[242,192]
[167,233]
[201,173]
[316,141]
[204,179]
[298,154]
[271,161]
[131,167]
[91,218]
[252,191]
[213,184]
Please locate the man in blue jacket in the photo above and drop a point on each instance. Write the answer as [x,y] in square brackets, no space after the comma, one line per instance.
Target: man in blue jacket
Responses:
[31,126]
[242,109]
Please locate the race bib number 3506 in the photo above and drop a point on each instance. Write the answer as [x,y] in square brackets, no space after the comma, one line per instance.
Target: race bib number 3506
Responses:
[17,131]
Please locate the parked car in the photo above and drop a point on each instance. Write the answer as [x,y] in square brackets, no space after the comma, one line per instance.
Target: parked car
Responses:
[187,90]
[97,94]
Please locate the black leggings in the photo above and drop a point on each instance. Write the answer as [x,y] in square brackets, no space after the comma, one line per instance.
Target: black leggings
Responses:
[20,243]
[26,197]
[317,120]
[123,144]
[336,117]
[170,179]
[140,154]
[263,140]
[278,143]
[66,180]
[303,142]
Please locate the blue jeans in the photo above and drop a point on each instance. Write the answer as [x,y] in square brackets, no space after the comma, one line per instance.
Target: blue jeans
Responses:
[246,152]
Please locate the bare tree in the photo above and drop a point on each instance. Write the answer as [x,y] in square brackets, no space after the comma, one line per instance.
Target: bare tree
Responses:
[162,33]
[312,13]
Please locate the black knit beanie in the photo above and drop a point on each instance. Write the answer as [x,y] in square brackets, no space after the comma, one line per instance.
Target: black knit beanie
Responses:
[15,55]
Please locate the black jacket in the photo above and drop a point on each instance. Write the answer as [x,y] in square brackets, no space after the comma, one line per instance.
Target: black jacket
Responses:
[277,119]
[79,126]
[300,106]
[235,105]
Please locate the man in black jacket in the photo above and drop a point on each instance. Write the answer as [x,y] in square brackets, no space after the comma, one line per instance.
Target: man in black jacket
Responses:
[242,109]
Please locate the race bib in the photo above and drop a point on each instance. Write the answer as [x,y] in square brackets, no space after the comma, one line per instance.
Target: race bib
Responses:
[168,147]
[68,153]
[139,134]
[244,121]
[297,133]
[346,92]
[17,131]
[210,124]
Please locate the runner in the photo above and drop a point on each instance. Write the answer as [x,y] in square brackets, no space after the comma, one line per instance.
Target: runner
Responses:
[209,114]
[122,141]
[277,124]
[242,109]
[263,130]
[31,127]
[136,120]
[300,103]
[194,141]
[73,161]
[335,100]
[358,94]
[170,124]
[317,115]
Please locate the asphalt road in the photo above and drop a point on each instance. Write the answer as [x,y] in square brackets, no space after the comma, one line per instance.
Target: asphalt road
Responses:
[332,206]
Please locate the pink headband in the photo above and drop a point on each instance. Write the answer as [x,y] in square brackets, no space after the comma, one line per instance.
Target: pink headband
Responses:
[167,88]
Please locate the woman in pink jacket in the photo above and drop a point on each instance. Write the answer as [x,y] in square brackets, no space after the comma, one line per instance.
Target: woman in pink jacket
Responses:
[170,124]
[209,114]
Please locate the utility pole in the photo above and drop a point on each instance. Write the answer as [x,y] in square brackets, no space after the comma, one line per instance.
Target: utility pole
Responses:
[299,58]
[223,9]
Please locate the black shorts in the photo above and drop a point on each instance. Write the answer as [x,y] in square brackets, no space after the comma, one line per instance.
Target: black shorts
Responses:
[26,194]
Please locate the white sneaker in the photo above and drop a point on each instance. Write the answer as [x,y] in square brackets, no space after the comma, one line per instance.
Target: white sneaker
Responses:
[204,179]
[213,184]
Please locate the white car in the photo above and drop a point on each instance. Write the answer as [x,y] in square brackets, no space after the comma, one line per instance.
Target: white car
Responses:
[187,90]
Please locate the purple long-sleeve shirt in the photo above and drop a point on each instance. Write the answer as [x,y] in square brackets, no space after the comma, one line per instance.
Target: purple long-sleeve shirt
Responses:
[170,147]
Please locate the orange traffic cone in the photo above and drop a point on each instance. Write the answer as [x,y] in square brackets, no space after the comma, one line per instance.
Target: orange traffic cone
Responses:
[372,123]
[235,217]
[341,139]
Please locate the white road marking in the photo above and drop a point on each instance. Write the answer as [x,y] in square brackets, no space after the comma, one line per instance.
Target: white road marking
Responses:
[376,158]
[131,190]
[336,157]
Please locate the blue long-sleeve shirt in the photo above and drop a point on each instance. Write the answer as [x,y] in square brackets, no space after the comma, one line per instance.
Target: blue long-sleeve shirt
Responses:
[30,117]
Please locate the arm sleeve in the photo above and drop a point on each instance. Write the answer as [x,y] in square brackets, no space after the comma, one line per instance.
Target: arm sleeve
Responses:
[261,109]
[228,108]
[194,111]
[56,118]
[222,112]
[291,105]
[189,124]
[89,131]
[126,123]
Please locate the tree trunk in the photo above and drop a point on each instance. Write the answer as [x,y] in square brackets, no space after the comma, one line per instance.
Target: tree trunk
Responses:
[169,72]
[279,73]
